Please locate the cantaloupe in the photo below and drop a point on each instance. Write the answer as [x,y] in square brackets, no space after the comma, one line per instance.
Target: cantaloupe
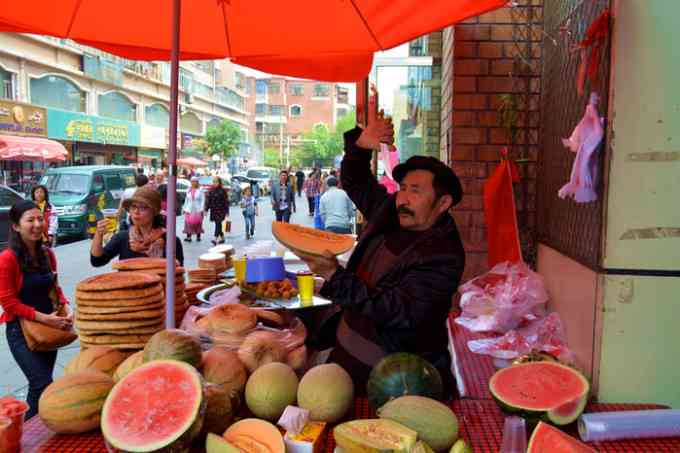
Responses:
[173,344]
[99,358]
[311,240]
[270,389]
[253,433]
[327,392]
[374,436]
[223,367]
[128,365]
[73,403]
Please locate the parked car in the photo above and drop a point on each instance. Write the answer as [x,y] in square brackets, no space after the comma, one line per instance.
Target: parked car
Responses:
[81,191]
[7,198]
[263,176]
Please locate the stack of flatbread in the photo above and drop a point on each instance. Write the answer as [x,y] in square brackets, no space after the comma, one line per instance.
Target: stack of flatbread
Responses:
[119,310]
[191,290]
[203,276]
[226,250]
[156,266]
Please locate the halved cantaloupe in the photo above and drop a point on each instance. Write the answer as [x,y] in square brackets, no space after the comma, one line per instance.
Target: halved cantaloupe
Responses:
[252,435]
[311,240]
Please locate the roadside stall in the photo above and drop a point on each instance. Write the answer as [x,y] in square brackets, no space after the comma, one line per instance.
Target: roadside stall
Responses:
[220,363]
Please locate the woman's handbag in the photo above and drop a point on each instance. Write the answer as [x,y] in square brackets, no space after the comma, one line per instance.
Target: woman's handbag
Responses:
[41,337]
[227,226]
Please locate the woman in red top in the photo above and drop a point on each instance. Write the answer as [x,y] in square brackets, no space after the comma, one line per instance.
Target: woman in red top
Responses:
[27,276]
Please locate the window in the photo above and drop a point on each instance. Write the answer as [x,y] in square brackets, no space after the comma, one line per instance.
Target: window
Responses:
[116,105]
[190,122]
[322,90]
[239,80]
[261,87]
[259,127]
[98,183]
[128,180]
[57,92]
[67,183]
[6,84]
[157,115]
[276,110]
[113,182]
[260,109]
[274,88]
[213,123]
[295,110]
[296,89]
[7,197]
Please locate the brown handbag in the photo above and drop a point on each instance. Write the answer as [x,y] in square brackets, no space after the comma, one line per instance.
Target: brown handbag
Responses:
[41,337]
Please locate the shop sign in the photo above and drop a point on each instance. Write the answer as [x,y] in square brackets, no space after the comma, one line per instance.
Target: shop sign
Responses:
[78,127]
[190,141]
[22,119]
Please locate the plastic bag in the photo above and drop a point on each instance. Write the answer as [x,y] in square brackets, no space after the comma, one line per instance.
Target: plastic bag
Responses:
[545,334]
[502,299]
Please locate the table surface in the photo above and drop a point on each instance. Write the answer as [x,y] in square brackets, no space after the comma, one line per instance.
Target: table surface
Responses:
[481,425]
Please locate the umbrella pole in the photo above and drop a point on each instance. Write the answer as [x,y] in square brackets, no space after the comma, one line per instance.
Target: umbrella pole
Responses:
[172,172]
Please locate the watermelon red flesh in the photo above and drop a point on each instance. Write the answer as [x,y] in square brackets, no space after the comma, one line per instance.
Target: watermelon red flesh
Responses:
[547,439]
[541,387]
[153,406]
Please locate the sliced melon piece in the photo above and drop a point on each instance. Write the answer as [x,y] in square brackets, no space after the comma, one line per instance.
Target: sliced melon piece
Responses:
[255,434]
[460,447]
[548,439]
[311,240]
[159,405]
[218,444]
[374,436]
[546,391]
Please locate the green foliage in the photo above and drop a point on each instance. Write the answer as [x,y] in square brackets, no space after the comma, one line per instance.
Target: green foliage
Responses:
[224,139]
[272,158]
[322,145]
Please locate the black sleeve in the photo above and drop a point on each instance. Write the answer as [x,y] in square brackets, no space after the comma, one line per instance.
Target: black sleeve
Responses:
[425,290]
[179,251]
[112,249]
[356,176]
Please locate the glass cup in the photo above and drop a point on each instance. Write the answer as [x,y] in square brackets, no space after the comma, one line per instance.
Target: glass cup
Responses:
[305,283]
[514,436]
[112,216]
[240,269]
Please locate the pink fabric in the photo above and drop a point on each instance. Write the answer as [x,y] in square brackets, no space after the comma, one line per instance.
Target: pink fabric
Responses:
[584,141]
[389,155]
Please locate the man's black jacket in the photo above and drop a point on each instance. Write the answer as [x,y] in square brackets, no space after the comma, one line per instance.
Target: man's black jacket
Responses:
[410,304]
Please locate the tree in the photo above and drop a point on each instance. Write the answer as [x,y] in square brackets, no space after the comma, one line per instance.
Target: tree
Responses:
[224,139]
[271,158]
[321,145]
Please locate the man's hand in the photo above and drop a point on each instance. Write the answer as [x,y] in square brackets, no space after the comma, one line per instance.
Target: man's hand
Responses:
[324,266]
[379,130]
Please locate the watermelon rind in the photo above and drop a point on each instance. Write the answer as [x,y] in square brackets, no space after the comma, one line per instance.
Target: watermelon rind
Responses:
[552,415]
[182,437]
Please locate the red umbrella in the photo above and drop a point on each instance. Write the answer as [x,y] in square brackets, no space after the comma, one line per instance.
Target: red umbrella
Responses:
[31,148]
[323,40]
[191,162]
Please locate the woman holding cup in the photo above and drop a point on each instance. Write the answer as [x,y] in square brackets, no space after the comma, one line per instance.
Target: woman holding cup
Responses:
[145,238]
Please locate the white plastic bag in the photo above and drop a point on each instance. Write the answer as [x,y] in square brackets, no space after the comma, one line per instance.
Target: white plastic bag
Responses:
[502,299]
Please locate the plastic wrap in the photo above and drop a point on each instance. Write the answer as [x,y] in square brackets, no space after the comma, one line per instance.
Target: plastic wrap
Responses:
[545,334]
[502,299]
[601,426]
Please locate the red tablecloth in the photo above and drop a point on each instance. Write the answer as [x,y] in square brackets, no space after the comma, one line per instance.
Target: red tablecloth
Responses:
[481,425]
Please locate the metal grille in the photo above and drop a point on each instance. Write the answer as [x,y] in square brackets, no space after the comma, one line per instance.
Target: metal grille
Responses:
[573,229]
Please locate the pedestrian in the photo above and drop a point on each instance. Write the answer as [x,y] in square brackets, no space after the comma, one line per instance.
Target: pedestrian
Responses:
[194,204]
[41,197]
[312,189]
[283,198]
[235,190]
[217,203]
[300,177]
[140,181]
[145,238]
[28,278]
[336,208]
[250,210]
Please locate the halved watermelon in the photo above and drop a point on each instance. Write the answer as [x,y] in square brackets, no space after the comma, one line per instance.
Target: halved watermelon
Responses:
[547,439]
[159,405]
[541,391]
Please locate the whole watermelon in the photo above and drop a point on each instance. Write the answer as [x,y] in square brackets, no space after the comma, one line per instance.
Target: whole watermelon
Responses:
[402,374]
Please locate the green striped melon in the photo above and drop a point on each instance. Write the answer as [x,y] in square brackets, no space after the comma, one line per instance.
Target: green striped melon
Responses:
[98,358]
[174,344]
[128,365]
[73,403]
[435,422]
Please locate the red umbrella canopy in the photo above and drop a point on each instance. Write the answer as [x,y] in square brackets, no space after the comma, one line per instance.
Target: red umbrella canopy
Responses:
[191,162]
[31,148]
[324,40]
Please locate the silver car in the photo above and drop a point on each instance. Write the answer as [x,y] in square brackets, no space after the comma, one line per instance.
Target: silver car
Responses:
[8,198]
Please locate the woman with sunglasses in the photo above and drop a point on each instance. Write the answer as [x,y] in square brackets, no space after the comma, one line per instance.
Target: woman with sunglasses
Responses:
[146,236]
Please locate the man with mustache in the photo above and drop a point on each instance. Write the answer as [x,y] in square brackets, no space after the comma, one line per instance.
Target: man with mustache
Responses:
[396,291]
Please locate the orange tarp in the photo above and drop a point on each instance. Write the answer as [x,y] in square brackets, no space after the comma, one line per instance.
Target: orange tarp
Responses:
[323,40]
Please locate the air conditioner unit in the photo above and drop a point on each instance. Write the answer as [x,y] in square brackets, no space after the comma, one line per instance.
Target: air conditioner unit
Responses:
[189,98]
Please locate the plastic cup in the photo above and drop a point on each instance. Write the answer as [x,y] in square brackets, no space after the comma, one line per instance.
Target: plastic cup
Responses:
[305,282]
[514,436]
[240,269]
[11,424]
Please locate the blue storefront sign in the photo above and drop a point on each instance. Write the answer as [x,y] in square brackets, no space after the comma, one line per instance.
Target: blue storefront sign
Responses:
[78,127]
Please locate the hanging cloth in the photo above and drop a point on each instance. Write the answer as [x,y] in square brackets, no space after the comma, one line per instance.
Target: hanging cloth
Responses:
[501,214]
[389,156]
[595,39]
[584,141]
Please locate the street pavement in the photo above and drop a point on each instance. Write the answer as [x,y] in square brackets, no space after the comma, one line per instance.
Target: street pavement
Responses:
[74,266]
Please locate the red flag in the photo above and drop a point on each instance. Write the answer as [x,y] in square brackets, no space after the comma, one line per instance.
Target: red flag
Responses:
[500,214]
